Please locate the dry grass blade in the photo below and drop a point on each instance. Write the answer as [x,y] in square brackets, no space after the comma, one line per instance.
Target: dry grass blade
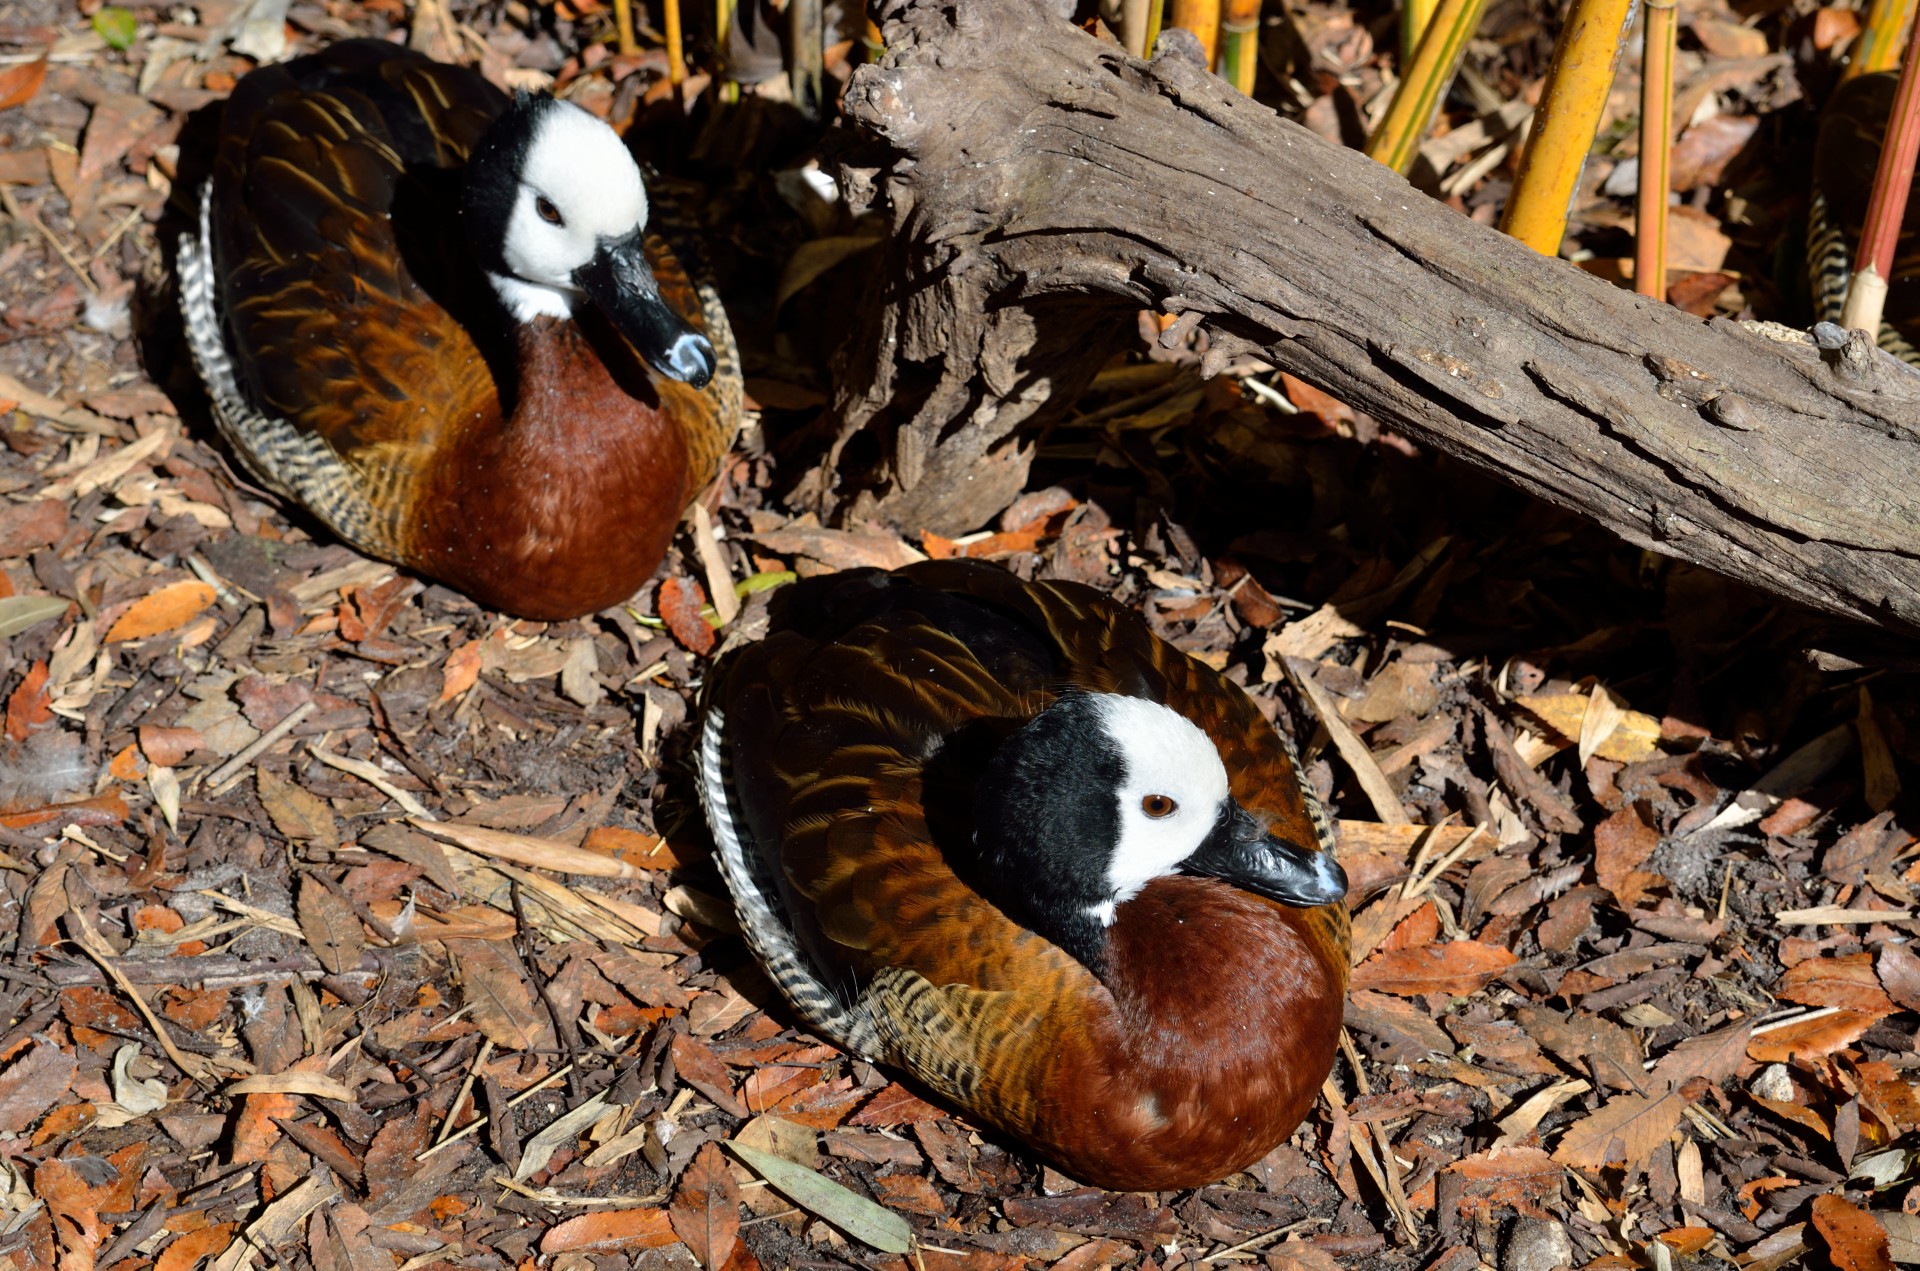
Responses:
[1571,103]
[535,852]
[1379,791]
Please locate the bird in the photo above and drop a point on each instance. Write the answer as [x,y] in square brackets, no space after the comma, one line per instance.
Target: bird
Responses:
[1000,836]
[436,317]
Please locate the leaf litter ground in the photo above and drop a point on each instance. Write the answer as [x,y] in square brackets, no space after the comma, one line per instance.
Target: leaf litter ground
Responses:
[359,928]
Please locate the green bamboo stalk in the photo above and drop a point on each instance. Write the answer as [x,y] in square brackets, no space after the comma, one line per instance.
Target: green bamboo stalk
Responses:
[1397,139]
[1881,38]
[1240,43]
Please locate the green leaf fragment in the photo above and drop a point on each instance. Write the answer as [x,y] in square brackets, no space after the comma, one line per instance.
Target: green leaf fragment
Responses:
[116,26]
[821,1196]
[17,613]
[763,582]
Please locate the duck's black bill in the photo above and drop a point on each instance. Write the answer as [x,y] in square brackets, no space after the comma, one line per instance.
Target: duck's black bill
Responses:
[1237,852]
[619,281]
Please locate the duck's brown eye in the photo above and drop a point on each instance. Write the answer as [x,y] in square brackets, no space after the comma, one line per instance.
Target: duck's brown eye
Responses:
[1158,806]
[548,212]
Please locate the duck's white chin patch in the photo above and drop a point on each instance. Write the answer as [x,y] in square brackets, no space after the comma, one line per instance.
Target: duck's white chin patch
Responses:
[528,300]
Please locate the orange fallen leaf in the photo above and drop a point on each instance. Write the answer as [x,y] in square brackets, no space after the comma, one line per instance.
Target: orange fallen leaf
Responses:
[19,84]
[706,1209]
[680,602]
[161,611]
[1686,1240]
[1855,1238]
[128,764]
[461,670]
[190,1250]
[1457,967]
[616,1229]
[1801,1116]
[1810,1038]
[1847,982]
[30,705]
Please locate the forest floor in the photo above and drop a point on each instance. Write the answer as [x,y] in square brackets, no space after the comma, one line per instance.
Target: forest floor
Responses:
[312,864]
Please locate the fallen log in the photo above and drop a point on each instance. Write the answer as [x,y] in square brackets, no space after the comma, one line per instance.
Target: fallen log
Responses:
[1043,186]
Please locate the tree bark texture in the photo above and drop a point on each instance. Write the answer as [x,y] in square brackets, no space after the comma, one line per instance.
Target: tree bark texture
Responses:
[1043,186]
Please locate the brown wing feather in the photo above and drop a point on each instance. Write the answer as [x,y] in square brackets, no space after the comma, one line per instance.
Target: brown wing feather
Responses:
[332,329]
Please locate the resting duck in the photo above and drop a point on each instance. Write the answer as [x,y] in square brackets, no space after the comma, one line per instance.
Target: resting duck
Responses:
[999,835]
[435,317]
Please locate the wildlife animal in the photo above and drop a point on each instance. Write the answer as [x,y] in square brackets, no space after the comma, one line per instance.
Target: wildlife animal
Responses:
[999,835]
[435,316]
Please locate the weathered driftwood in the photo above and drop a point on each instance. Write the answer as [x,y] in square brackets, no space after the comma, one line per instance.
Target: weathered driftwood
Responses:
[1043,187]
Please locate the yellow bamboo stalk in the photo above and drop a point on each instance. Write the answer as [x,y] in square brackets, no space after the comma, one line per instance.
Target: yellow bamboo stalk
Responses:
[1415,17]
[722,24]
[1202,17]
[1571,104]
[623,27]
[1133,25]
[1240,43]
[676,47]
[1881,38]
[1397,139]
[1656,141]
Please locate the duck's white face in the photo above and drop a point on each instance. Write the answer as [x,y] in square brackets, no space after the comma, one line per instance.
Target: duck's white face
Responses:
[578,187]
[1172,797]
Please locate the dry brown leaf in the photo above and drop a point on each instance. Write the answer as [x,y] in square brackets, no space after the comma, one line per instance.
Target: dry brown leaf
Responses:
[1582,1039]
[34,1082]
[1626,1129]
[172,606]
[1715,1056]
[1847,981]
[612,1231]
[706,1208]
[499,996]
[523,849]
[1854,1237]
[1458,967]
[331,928]
[700,1068]
[296,813]
[1620,844]
[1523,1178]
[389,1165]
